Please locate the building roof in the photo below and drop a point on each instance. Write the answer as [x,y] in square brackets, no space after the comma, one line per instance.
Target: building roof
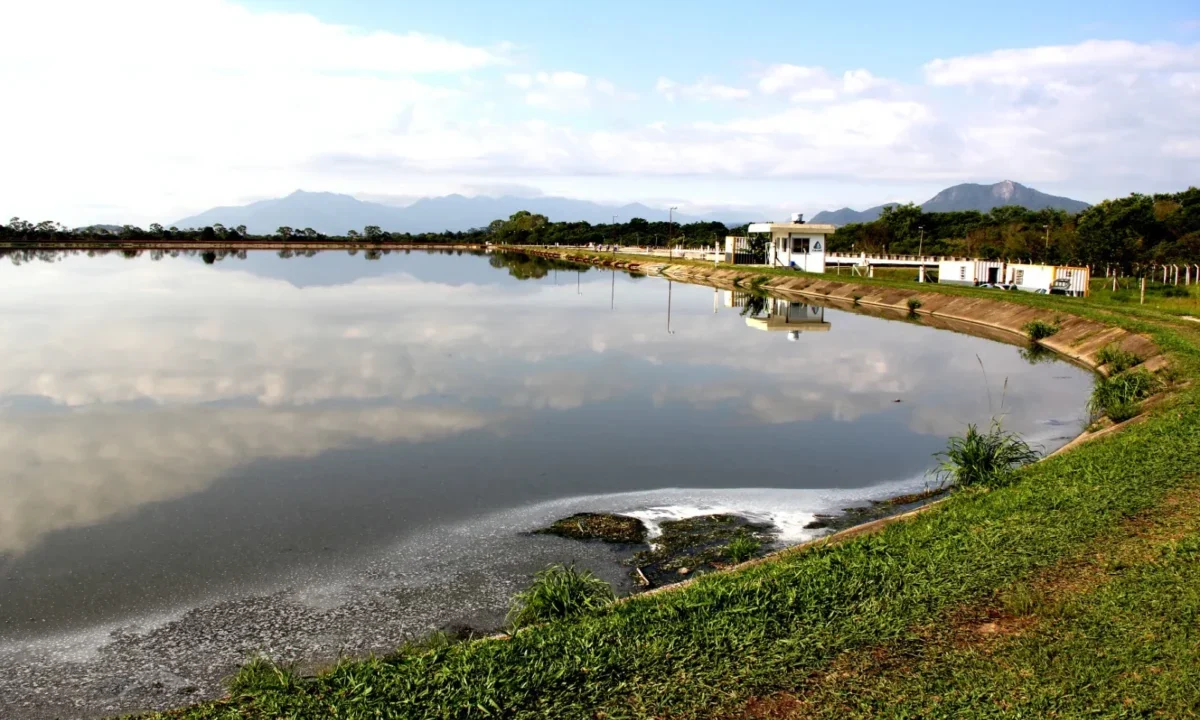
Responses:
[812,228]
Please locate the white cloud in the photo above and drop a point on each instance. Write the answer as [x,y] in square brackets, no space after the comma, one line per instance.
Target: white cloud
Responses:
[1095,59]
[563,90]
[811,83]
[163,106]
[704,90]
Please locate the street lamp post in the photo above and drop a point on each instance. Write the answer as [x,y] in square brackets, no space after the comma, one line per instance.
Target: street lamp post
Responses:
[921,254]
[670,227]
[1047,229]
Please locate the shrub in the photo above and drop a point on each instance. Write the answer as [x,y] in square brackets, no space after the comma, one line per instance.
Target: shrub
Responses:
[1118,395]
[1039,329]
[913,304]
[1116,359]
[1122,411]
[1173,291]
[559,591]
[857,298]
[742,547]
[984,458]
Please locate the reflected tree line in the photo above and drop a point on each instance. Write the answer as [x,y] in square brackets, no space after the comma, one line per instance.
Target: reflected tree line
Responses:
[519,265]
[20,256]
[523,266]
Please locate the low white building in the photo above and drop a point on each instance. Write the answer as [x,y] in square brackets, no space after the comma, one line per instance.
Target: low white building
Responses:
[1044,279]
[796,245]
[970,272]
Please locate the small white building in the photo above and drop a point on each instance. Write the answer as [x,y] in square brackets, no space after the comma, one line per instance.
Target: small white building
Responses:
[796,245]
[1045,279]
[970,272]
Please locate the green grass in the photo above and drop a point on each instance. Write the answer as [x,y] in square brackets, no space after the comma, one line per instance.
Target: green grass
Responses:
[557,593]
[1118,396]
[1118,639]
[984,459]
[742,547]
[1116,360]
[732,636]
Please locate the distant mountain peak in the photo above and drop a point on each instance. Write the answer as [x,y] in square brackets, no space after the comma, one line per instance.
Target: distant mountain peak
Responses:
[334,213]
[966,196]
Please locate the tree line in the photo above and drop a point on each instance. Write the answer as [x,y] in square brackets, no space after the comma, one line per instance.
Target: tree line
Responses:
[1129,232]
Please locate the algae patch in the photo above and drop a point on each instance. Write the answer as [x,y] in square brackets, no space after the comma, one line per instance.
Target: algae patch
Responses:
[698,545]
[685,547]
[607,527]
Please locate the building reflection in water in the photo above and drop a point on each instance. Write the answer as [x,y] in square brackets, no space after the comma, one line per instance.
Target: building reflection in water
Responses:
[777,314]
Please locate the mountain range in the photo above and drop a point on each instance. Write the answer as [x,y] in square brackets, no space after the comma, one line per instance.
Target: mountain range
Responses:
[331,213]
[334,214]
[967,196]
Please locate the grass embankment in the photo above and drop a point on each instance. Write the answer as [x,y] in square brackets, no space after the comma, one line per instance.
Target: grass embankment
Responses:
[776,638]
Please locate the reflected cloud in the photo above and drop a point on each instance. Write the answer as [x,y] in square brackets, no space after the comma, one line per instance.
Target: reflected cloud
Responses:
[75,468]
[144,381]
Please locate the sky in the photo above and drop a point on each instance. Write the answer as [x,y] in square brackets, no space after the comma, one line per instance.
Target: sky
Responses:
[140,111]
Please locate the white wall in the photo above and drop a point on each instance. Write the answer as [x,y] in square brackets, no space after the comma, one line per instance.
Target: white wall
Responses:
[787,248]
[1030,277]
[956,271]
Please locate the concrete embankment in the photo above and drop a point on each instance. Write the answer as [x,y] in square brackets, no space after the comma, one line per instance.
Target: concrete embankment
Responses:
[1077,338]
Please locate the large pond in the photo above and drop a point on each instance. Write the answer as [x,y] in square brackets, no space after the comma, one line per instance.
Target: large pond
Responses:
[314,456]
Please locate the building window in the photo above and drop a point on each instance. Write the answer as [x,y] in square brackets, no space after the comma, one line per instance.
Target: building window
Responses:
[1066,274]
[962,273]
[1019,277]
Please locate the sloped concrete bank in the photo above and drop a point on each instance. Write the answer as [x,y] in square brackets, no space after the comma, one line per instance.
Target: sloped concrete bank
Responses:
[1077,338]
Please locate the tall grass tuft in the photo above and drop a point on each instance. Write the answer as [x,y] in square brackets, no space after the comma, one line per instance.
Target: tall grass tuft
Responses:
[559,591]
[1039,329]
[913,304]
[260,674]
[742,547]
[985,459]
[1118,396]
[1117,360]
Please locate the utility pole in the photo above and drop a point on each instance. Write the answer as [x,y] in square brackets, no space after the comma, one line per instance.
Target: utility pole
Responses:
[1047,229]
[614,235]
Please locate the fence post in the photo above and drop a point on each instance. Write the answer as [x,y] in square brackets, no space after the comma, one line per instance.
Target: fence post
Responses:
[1143,301]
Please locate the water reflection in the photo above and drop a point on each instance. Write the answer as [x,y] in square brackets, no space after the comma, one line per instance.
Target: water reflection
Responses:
[157,413]
[778,314]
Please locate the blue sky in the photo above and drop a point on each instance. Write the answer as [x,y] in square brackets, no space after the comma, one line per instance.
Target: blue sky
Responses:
[704,104]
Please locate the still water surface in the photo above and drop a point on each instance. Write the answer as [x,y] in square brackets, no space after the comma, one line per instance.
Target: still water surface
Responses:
[355,439]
